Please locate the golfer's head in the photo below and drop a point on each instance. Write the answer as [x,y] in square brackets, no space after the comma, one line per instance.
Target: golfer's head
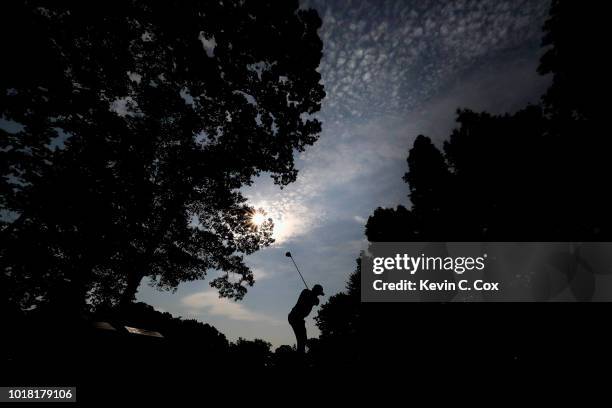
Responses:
[318,290]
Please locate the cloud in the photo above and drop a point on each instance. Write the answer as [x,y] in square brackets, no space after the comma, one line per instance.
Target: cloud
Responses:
[209,302]
[384,67]
[325,168]
[359,220]
[288,208]
[391,56]
[356,158]
[353,247]
[260,274]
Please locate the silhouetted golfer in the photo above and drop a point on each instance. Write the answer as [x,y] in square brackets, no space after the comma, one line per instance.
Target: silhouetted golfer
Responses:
[307,300]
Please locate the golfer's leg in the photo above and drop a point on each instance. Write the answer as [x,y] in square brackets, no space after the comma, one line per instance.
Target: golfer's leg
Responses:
[300,332]
[296,330]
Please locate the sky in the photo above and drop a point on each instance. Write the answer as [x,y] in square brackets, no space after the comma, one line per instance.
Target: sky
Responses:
[392,70]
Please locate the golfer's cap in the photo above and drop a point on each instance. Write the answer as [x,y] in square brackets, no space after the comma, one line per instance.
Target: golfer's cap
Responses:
[318,289]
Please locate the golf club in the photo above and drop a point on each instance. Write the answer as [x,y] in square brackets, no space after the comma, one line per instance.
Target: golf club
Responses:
[288,254]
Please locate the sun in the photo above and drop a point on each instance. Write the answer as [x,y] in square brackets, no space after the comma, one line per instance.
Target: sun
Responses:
[279,220]
[258,219]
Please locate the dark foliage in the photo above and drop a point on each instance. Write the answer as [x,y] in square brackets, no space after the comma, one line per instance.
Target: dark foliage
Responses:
[81,353]
[536,175]
[186,335]
[251,353]
[539,174]
[339,321]
[134,125]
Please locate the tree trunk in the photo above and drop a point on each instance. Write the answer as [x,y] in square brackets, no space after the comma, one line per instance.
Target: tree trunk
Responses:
[134,278]
[129,295]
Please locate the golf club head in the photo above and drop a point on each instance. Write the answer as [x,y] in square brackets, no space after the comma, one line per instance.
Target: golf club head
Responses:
[288,254]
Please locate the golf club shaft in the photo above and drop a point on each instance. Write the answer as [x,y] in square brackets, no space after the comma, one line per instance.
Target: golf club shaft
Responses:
[298,270]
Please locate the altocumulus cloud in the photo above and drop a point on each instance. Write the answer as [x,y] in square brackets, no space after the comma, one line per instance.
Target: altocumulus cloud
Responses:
[391,55]
[388,67]
[208,302]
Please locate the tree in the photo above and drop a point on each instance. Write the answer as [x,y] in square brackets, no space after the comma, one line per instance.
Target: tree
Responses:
[574,36]
[251,353]
[189,339]
[535,175]
[339,320]
[573,57]
[136,124]
[284,357]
